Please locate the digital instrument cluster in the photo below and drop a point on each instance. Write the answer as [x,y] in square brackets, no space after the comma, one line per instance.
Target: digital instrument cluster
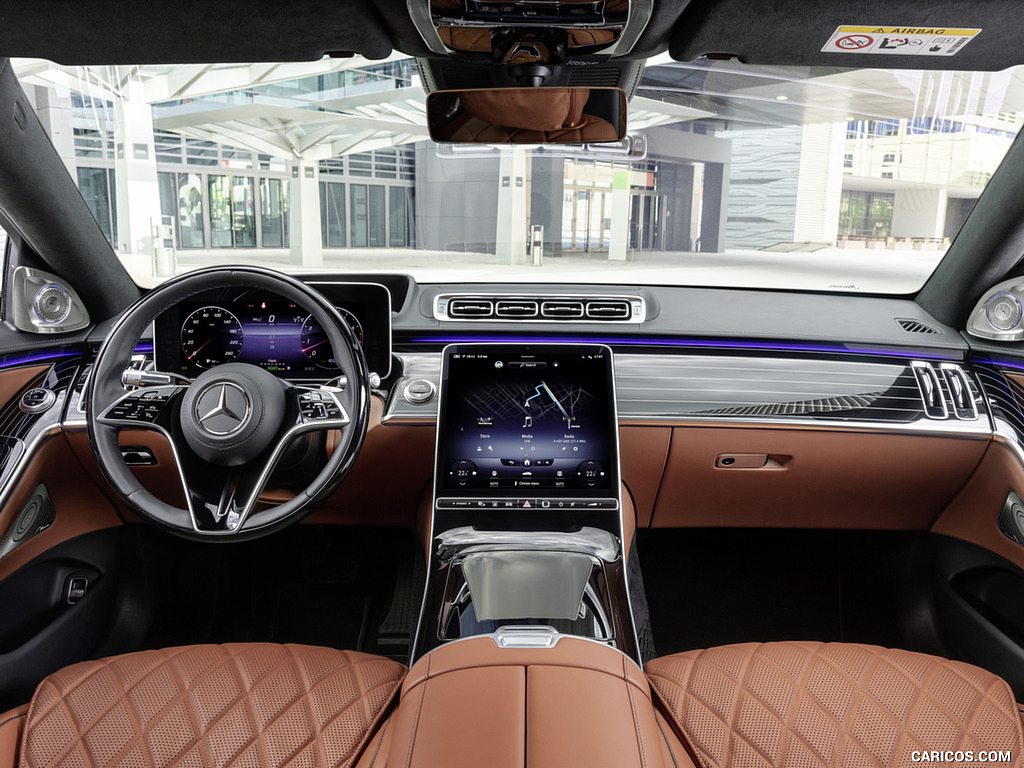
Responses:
[272,333]
[525,426]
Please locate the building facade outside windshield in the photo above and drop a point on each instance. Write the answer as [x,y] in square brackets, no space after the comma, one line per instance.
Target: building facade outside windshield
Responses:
[822,180]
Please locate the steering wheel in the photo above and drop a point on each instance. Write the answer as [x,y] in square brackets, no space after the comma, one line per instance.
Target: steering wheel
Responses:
[229,427]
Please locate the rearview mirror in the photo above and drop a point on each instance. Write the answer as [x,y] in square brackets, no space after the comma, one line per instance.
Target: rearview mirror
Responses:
[527,115]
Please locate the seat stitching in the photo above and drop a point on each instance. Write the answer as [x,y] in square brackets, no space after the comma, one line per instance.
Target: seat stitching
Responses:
[300,671]
[632,707]
[742,688]
[235,667]
[415,722]
[685,737]
[383,733]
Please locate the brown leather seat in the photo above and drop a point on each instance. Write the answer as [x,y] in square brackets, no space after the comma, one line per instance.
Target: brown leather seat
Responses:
[251,704]
[814,704]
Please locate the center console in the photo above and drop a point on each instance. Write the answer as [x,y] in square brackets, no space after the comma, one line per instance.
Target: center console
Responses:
[527,527]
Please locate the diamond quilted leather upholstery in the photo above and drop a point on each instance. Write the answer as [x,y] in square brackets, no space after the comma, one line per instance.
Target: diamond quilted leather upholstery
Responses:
[254,704]
[818,705]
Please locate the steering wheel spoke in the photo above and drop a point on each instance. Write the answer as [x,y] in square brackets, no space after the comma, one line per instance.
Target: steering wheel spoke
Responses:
[219,498]
[222,498]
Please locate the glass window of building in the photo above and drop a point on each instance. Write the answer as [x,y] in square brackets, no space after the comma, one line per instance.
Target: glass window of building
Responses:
[272,212]
[97,189]
[358,221]
[243,212]
[397,213]
[378,231]
[332,214]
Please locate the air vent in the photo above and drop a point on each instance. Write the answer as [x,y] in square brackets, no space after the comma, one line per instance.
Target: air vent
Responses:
[946,392]
[562,309]
[608,310]
[540,309]
[514,309]
[471,309]
[915,326]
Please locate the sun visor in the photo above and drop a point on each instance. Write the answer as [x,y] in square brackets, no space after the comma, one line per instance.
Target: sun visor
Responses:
[228,31]
[942,34]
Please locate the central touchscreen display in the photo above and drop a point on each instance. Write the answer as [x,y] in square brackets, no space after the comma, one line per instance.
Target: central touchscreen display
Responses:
[527,421]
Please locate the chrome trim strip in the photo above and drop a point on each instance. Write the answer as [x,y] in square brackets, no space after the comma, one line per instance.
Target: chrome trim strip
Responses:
[526,637]
[591,541]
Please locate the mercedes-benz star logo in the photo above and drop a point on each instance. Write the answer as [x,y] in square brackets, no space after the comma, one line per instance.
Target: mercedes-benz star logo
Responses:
[223,409]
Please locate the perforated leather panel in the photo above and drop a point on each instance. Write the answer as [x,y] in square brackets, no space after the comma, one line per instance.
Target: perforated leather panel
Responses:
[211,705]
[815,705]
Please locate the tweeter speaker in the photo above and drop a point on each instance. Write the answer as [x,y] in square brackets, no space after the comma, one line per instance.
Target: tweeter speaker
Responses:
[52,304]
[37,515]
[1003,311]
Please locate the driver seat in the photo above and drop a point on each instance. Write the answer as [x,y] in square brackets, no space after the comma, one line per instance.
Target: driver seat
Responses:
[242,704]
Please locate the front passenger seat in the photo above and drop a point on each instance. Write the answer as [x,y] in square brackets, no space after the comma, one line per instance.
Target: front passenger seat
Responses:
[825,705]
[243,704]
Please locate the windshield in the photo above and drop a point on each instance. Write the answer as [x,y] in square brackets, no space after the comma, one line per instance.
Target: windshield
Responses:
[812,179]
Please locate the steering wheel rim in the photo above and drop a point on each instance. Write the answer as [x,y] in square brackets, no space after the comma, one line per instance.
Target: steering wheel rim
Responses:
[241,482]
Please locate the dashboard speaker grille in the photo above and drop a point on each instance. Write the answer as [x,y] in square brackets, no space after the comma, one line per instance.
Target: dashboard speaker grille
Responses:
[52,304]
[37,515]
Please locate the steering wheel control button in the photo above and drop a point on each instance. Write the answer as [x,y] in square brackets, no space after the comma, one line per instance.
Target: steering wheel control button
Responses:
[231,414]
[37,400]
[419,392]
[144,406]
[319,406]
[223,408]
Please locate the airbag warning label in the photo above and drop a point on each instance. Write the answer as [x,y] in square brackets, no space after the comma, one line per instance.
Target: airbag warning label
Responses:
[901,41]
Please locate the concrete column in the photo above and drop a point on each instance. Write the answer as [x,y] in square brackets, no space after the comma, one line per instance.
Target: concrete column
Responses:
[547,182]
[53,109]
[304,214]
[138,197]
[619,239]
[715,208]
[919,213]
[511,232]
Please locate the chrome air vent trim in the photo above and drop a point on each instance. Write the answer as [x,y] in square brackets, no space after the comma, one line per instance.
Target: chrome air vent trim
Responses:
[470,309]
[539,308]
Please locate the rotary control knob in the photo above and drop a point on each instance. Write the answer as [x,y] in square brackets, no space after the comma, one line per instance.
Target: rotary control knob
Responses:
[419,392]
[37,400]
